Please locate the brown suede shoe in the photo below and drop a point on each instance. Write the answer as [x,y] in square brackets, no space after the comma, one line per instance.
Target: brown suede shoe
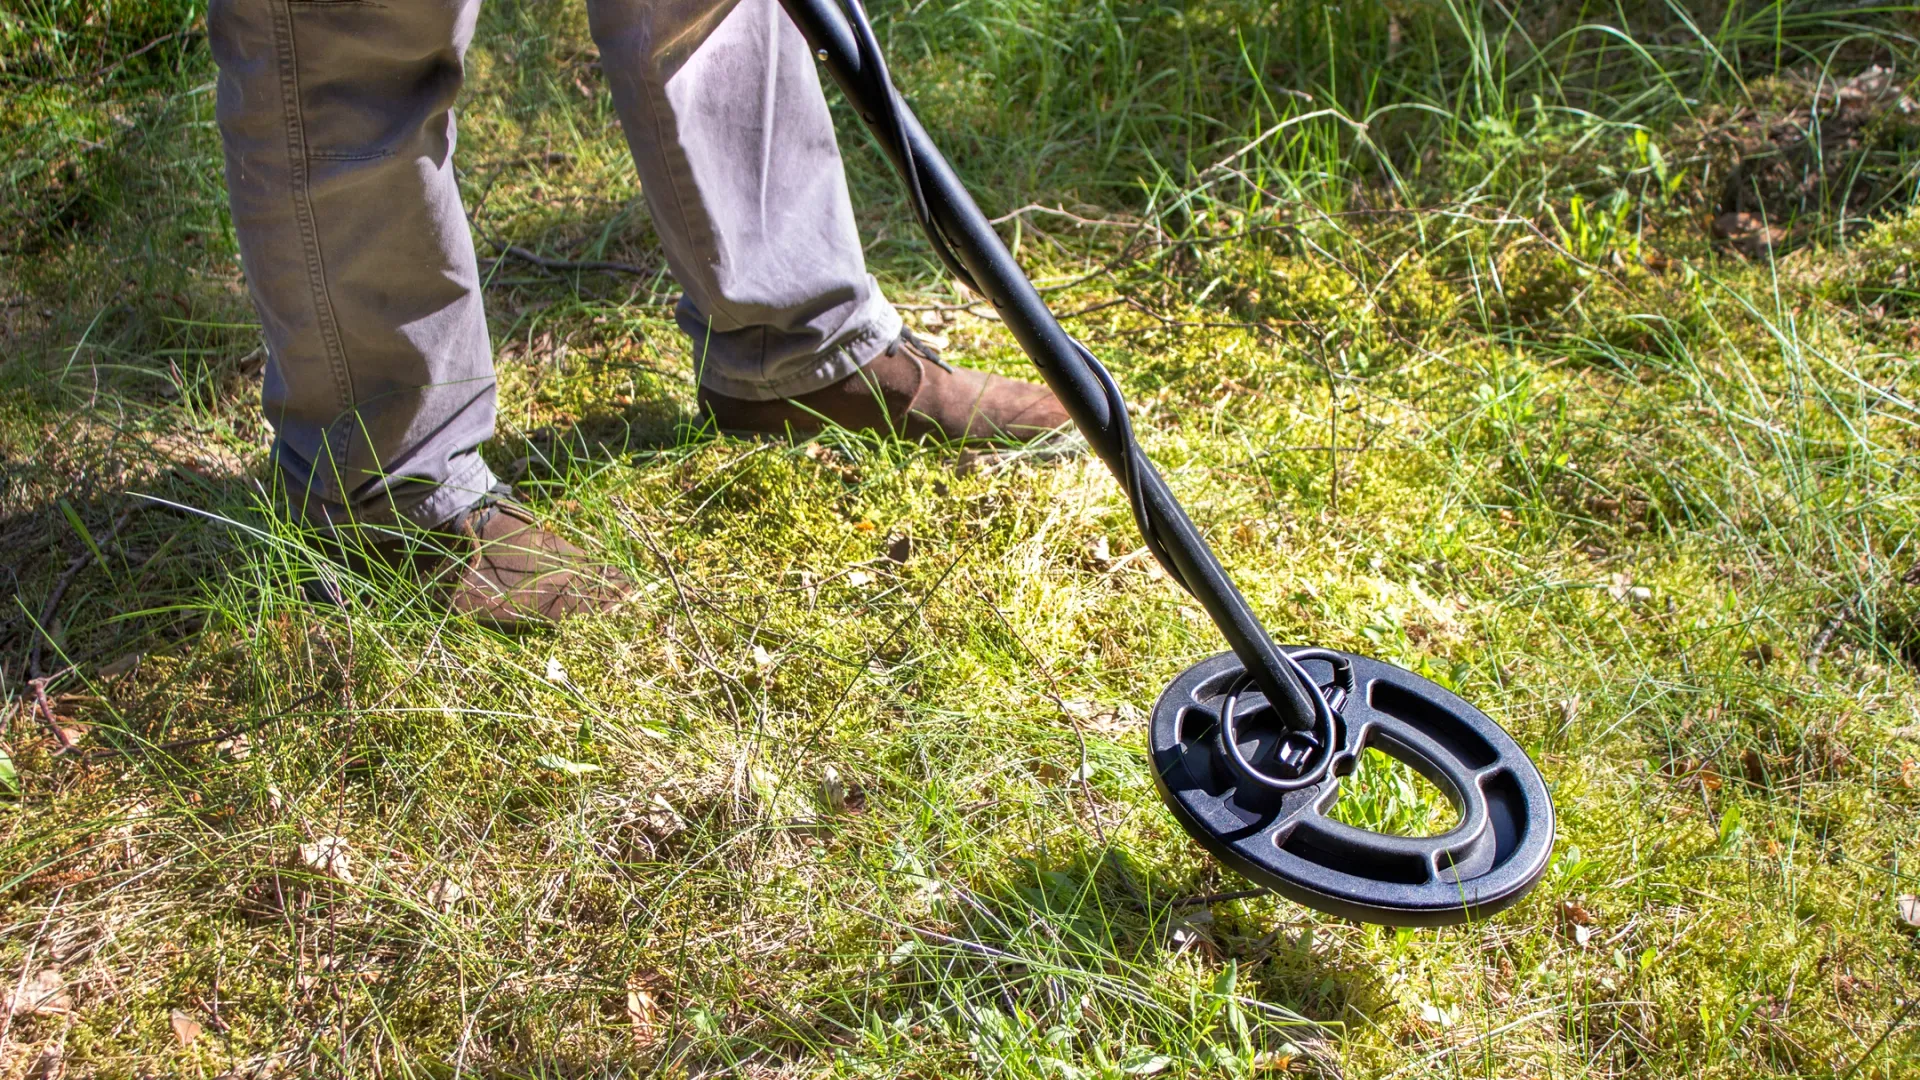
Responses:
[518,575]
[907,391]
[493,563]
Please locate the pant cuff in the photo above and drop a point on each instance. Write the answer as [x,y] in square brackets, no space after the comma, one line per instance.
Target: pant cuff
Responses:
[880,328]
[470,483]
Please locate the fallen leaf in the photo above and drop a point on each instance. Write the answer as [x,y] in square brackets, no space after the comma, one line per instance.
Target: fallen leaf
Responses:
[1118,719]
[859,579]
[973,461]
[1748,232]
[50,1065]
[1187,936]
[560,764]
[643,1016]
[122,666]
[445,893]
[1909,908]
[42,993]
[1272,1061]
[900,549]
[833,790]
[1100,553]
[763,661]
[328,855]
[185,1028]
[238,748]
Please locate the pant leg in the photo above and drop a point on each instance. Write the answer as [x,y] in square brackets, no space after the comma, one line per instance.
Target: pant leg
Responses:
[337,124]
[735,149]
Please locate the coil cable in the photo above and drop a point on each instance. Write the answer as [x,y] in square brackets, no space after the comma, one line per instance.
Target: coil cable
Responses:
[1249,779]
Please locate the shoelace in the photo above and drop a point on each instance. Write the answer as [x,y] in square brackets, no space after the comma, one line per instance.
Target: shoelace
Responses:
[913,343]
[490,504]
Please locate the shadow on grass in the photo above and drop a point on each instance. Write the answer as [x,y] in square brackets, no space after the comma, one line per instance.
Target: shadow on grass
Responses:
[98,577]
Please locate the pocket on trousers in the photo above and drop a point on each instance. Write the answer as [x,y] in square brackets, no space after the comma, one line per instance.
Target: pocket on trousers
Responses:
[374,78]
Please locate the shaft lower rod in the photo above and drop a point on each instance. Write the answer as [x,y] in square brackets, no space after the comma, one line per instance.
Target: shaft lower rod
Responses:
[1026,315]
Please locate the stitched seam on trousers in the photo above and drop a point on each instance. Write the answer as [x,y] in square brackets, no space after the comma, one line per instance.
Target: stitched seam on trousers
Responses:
[805,382]
[309,233]
[811,379]
[704,244]
[345,155]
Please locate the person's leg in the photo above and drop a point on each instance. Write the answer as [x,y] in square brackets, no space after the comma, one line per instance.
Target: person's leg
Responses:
[339,144]
[735,149]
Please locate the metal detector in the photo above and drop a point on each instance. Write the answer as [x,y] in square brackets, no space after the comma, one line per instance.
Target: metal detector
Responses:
[1248,746]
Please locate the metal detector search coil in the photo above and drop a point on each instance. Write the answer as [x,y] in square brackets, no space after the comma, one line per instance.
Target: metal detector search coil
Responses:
[1249,746]
[1215,751]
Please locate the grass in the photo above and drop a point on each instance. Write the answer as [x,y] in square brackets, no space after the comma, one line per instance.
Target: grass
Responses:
[1434,314]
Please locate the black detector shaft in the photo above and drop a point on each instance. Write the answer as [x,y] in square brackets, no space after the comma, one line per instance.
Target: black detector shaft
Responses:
[1068,369]
[1248,747]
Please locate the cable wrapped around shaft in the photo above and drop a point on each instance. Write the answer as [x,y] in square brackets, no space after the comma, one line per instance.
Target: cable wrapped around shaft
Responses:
[1129,460]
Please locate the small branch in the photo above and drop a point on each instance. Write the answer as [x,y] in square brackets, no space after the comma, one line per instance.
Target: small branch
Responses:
[50,608]
[1036,208]
[202,740]
[190,32]
[45,712]
[544,263]
[1218,897]
[1825,637]
[60,587]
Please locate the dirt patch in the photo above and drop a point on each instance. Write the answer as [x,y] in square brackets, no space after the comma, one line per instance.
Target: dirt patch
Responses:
[1812,156]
